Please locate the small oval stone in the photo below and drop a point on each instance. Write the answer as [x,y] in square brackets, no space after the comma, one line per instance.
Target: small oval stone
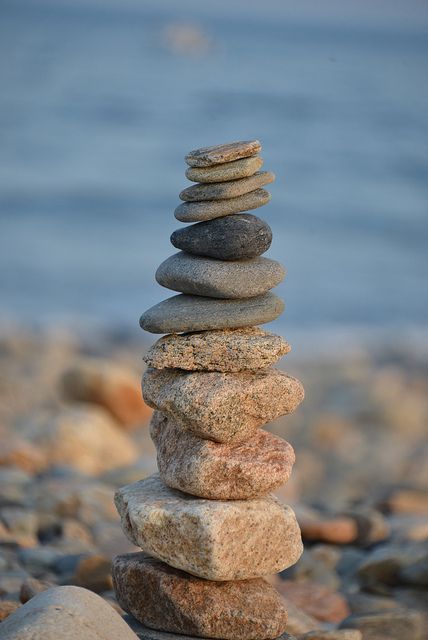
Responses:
[234,237]
[183,313]
[224,190]
[210,209]
[220,153]
[201,276]
[228,171]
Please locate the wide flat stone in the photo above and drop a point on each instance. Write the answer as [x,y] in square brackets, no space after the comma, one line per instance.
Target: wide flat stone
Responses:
[220,153]
[168,599]
[227,171]
[228,350]
[229,189]
[200,276]
[211,539]
[217,471]
[234,237]
[195,313]
[65,613]
[224,407]
[210,209]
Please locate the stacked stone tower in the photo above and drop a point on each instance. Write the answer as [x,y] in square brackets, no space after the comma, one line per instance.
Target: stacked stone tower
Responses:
[208,526]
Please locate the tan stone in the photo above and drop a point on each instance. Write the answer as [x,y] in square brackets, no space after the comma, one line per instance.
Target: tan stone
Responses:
[227,350]
[168,599]
[94,573]
[337,634]
[332,529]
[229,189]
[227,171]
[220,471]
[210,209]
[225,407]
[7,607]
[318,600]
[31,587]
[220,153]
[212,539]
[113,386]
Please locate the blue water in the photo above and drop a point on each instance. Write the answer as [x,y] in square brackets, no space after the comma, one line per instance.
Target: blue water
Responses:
[100,101]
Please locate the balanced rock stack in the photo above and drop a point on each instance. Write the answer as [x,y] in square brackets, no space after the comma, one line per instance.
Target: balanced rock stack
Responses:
[207,524]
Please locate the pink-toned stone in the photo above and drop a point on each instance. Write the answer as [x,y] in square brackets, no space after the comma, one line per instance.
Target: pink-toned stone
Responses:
[317,600]
[220,471]
[165,598]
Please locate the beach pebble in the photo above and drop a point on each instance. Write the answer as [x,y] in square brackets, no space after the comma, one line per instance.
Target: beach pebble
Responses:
[393,625]
[220,471]
[7,607]
[185,313]
[196,275]
[94,573]
[220,153]
[31,587]
[227,171]
[236,237]
[319,527]
[210,209]
[171,600]
[213,539]
[318,600]
[65,613]
[337,634]
[229,189]
[232,350]
[225,407]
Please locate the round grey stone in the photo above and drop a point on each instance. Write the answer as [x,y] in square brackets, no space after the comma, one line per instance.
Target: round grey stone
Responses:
[224,190]
[220,153]
[210,209]
[228,171]
[234,237]
[184,313]
[201,276]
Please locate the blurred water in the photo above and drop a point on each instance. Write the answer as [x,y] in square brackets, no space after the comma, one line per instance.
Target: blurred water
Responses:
[101,100]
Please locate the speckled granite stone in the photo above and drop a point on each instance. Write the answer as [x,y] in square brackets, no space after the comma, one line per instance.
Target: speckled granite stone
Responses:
[184,313]
[225,407]
[220,153]
[235,237]
[229,189]
[169,599]
[228,350]
[196,275]
[212,539]
[210,209]
[227,171]
[216,471]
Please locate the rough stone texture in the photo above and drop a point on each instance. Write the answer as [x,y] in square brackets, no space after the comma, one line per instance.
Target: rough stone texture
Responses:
[224,190]
[236,237]
[112,386]
[220,153]
[184,313]
[168,599]
[391,625]
[227,350]
[220,471]
[318,600]
[225,407]
[212,539]
[227,171]
[200,276]
[210,209]
[66,613]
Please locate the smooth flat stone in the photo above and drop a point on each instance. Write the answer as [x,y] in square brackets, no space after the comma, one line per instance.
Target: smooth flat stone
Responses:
[234,237]
[194,313]
[230,189]
[232,350]
[200,276]
[216,471]
[220,153]
[225,407]
[211,539]
[169,599]
[210,209]
[224,172]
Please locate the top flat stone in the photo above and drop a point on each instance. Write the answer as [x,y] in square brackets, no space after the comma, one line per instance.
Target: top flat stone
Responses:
[220,153]
[223,172]
[224,190]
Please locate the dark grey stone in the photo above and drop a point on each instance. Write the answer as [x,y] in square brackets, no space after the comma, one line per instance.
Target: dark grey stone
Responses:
[184,313]
[235,237]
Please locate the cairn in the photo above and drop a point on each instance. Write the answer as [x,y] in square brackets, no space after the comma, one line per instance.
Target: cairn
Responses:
[207,523]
